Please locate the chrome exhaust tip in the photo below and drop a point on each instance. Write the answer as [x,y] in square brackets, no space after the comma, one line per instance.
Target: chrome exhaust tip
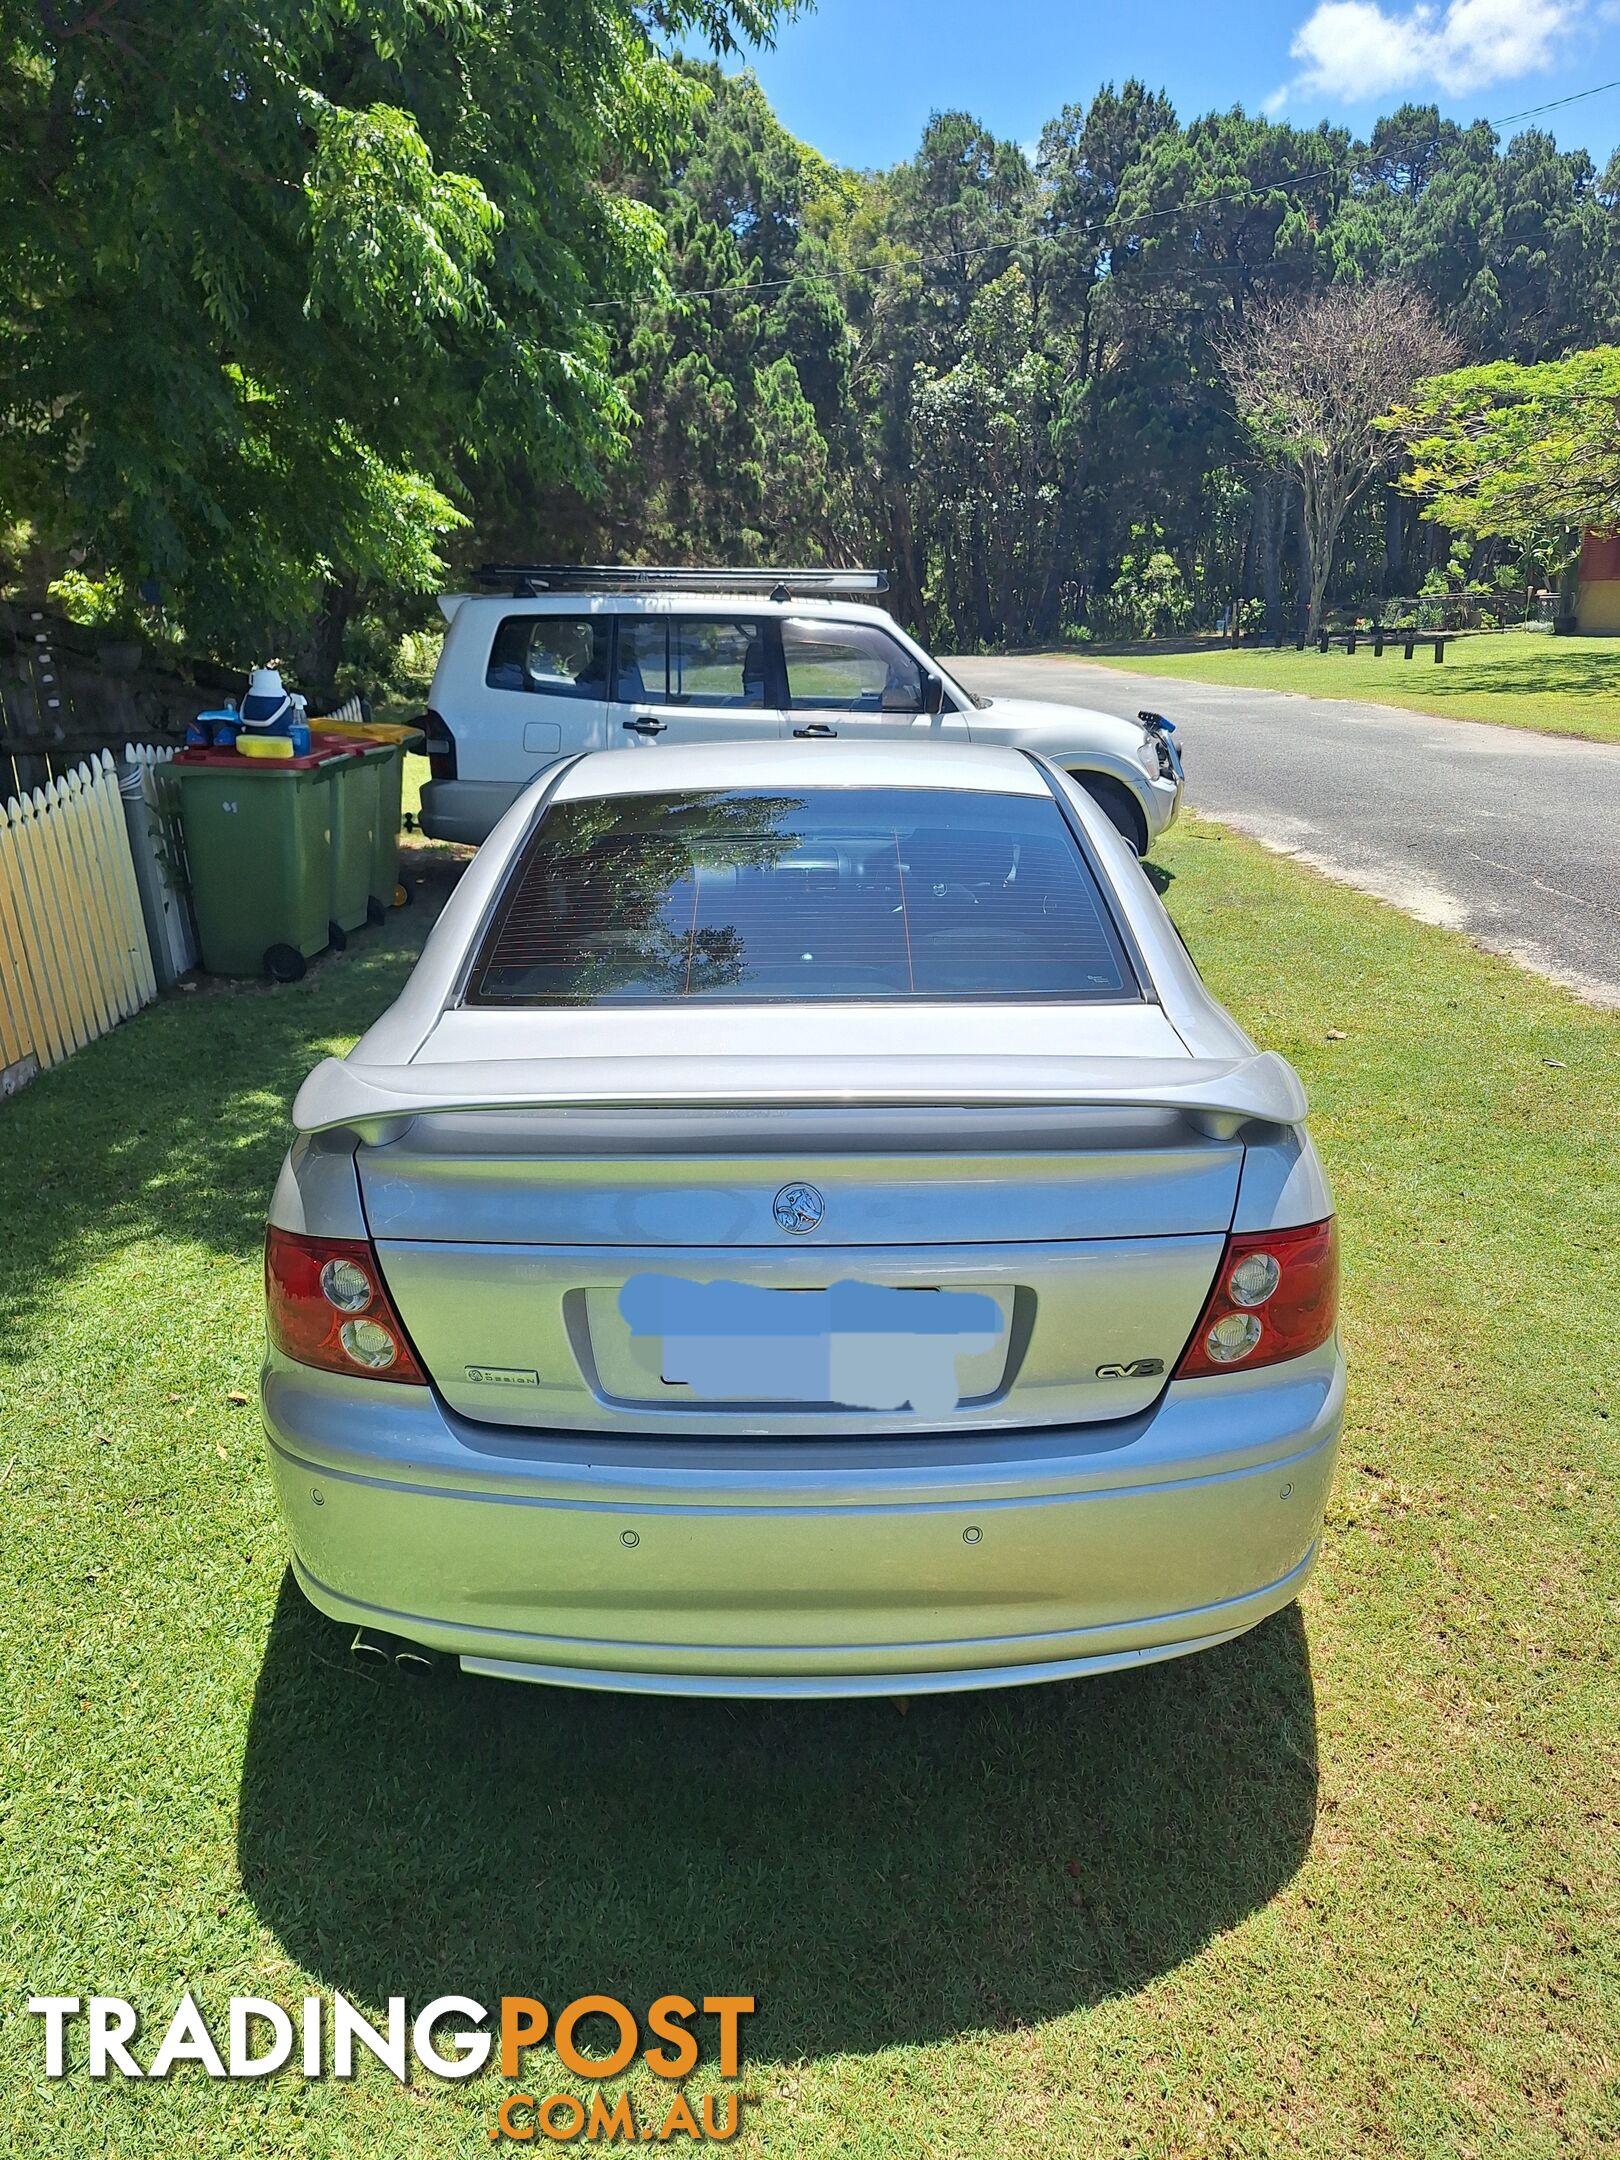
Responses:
[371,1647]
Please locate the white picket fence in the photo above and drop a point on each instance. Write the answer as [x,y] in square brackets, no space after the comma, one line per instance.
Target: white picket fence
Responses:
[158,851]
[74,953]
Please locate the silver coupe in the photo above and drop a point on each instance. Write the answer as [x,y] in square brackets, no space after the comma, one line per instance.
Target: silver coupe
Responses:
[804,1229]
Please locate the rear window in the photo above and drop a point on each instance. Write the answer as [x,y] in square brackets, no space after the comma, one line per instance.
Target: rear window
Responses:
[551,656]
[847,893]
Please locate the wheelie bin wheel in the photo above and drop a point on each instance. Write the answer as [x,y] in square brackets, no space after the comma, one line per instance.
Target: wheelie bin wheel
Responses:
[403,896]
[283,963]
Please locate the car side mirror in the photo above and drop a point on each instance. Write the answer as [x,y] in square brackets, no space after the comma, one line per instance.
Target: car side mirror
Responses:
[933,697]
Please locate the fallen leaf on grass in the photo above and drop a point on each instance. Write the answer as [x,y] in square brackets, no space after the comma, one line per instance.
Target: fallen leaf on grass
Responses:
[1336,1035]
[237,1397]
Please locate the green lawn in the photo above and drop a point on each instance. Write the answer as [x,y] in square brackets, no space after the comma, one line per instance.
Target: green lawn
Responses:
[1517,678]
[1346,1886]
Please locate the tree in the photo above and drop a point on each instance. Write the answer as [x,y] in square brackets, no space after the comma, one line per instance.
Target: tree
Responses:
[282,278]
[1312,376]
[1530,454]
[736,375]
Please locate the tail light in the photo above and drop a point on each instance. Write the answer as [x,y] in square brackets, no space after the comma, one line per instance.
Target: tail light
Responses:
[326,1305]
[1276,1296]
[441,746]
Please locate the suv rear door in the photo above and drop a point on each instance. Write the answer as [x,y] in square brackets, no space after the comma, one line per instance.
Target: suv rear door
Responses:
[545,694]
[692,678]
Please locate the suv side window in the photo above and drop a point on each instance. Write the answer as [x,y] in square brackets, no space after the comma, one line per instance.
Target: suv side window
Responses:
[848,667]
[690,660]
[564,656]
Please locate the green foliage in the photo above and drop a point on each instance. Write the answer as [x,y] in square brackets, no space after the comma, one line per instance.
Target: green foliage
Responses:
[736,374]
[426,279]
[1012,368]
[283,280]
[1148,597]
[1530,454]
[96,603]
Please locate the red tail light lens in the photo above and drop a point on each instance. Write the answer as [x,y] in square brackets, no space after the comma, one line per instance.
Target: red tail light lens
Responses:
[1276,1296]
[326,1306]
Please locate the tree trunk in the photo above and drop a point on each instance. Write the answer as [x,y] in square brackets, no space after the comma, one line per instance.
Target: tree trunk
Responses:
[1322,519]
[982,612]
[911,607]
[1394,543]
[1302,537]
[322,653]
[1269,519]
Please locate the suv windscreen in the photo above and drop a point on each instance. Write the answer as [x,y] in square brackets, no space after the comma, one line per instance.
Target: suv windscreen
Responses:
[551,655]
[848,893]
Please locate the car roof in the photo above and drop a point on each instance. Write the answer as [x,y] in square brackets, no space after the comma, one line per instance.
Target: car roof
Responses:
[898,763]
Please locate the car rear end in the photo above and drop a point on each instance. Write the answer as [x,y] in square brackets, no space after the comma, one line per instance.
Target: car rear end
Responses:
[474,743]
[613,1280]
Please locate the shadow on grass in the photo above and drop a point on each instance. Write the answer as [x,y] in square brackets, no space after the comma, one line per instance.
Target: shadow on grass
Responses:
[174,1125]
[984,1861]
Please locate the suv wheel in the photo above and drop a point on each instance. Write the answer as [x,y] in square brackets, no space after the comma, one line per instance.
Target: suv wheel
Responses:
[1116,799]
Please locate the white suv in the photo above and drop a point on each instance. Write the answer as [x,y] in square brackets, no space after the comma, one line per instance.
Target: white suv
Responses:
[586,658]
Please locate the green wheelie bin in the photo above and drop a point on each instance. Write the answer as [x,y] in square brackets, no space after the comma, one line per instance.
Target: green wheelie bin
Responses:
[258,834]
[352,770]
[396,738]
[387,763]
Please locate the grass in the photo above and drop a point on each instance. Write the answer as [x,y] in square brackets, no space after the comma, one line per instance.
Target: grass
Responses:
[1520,678]
[1346,1886]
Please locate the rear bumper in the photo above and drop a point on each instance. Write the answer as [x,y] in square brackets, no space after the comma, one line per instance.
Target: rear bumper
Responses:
[466,810]
[807,1568]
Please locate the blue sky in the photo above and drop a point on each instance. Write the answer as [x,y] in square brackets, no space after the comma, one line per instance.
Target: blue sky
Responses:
[858,78]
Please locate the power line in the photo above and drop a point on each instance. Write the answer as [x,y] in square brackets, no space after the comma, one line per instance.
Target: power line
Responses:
[1553,104]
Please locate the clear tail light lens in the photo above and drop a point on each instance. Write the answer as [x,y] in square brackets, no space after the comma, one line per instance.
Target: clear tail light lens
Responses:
[1276,1296]
[440,746]
[326,1305]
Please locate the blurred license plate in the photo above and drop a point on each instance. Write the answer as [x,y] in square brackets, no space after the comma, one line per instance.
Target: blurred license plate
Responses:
[853,1345]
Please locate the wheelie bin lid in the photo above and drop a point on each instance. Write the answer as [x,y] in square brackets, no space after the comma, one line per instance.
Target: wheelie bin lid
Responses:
[373,731]
[335,746]
[219,759]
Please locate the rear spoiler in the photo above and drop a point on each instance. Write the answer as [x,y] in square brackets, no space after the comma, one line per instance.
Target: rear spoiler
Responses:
[376,1102]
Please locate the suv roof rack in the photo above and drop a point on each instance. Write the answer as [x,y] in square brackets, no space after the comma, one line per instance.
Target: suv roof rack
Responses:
[524,580]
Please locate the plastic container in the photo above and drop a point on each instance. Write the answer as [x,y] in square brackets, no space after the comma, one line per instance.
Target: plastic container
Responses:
[258,835]
[352,767]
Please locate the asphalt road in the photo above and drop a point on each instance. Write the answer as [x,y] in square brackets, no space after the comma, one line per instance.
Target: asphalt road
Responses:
[1511,837]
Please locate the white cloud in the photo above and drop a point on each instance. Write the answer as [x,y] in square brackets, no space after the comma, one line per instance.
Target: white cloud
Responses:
[1354,50]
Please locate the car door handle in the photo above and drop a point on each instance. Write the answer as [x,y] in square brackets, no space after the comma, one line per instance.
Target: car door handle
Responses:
[815,728]
[644,724]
